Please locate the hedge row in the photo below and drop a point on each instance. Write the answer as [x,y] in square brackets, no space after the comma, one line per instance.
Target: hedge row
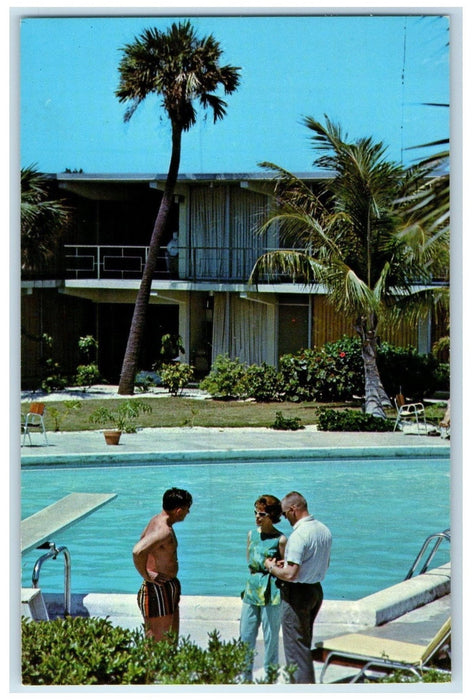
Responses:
[334,372]
[92,651]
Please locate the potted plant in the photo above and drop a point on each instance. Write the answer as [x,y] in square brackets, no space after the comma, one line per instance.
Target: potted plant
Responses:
[121,419]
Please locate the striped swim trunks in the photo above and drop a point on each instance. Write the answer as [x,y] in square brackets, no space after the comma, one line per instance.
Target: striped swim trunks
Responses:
[159,599]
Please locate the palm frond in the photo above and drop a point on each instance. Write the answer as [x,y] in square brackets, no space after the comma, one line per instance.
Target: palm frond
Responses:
[179,67]
[286,264]
[373,229]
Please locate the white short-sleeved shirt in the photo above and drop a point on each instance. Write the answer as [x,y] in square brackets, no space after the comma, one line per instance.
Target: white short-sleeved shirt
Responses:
[309,546]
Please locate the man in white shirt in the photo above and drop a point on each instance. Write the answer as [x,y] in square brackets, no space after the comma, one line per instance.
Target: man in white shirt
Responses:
[306,561]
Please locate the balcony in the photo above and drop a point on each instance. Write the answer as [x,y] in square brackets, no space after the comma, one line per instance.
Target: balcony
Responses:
[126,262]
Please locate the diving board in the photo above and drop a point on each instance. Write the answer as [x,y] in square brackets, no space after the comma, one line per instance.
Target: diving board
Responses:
[51,520]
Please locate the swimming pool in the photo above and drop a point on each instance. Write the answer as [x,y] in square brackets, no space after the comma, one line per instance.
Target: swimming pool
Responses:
[379,510]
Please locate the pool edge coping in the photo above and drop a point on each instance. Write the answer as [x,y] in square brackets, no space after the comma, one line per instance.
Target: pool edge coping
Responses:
[375,609]
[255,454]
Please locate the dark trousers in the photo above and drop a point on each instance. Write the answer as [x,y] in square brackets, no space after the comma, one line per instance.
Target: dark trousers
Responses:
[301,603]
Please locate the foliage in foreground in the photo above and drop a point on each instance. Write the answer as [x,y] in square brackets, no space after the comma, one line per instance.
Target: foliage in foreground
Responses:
[92,651]
[431,675]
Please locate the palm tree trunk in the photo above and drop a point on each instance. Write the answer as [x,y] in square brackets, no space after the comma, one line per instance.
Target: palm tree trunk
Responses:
[375,395]
[138,322]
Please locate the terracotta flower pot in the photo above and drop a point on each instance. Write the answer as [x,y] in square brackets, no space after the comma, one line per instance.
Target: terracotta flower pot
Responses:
[112,437]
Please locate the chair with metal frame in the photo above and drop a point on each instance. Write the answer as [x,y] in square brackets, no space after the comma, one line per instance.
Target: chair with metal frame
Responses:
[408,411]
[371,652]
[34,419]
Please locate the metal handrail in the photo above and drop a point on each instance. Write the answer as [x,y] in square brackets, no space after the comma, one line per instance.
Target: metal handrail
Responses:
[209,263]
[53,552]
[439,537]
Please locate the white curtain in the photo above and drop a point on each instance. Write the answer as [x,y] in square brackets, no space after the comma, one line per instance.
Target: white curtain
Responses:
[247,211]
[209,233]
[223,224]
[240,329]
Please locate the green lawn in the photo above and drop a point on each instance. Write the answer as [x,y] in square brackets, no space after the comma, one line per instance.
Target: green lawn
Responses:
[178,412]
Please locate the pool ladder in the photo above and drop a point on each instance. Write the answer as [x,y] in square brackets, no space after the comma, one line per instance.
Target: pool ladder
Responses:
[437,538]
[52,554]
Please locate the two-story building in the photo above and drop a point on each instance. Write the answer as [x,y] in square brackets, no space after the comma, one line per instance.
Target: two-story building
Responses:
[201,293]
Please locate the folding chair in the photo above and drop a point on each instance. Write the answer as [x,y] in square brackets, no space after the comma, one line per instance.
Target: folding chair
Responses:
[33,419]
[407,411]
[371,651]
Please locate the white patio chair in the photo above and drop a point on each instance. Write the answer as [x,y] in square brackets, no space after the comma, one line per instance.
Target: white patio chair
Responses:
[409,411]
[34,420]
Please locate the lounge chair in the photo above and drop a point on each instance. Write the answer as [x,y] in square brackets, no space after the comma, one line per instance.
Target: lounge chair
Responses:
[371,652]
[34,419]
[407,411]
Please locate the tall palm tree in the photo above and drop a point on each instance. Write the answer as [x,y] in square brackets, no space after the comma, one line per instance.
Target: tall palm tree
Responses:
[353,238]
[183,70]
[43,220]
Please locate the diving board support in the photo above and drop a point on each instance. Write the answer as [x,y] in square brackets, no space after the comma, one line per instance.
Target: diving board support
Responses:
[51,520]
[33,606]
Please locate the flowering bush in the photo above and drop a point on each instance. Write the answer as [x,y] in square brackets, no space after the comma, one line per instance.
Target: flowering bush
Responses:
[332,373]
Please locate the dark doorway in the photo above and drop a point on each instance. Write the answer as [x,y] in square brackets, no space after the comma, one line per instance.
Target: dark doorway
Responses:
[114,322]
[293,324]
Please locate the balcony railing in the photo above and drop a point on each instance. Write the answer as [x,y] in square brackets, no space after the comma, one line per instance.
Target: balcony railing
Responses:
[199,263]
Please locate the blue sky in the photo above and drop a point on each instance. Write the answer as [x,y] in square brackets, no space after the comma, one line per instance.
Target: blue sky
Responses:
[371,74]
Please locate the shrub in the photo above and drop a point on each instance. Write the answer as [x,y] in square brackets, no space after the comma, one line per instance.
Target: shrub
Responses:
[88,346]
[87,375]
[352,421]
[429,675]
[91,651]
[88,372]
[283,423]
[298,375]
[170,350]
[263,383]
[332,373]
[442,377]
[176,376]
[417,375]
[226,378]
[145,380]
[52,377]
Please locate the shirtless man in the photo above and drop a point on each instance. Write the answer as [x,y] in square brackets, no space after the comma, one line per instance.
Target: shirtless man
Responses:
[155,558]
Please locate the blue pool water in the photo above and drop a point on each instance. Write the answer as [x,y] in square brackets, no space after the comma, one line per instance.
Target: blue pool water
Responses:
[379,511]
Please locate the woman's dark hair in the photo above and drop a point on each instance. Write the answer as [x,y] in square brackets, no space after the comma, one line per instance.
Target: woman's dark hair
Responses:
[176,498]
[271,505]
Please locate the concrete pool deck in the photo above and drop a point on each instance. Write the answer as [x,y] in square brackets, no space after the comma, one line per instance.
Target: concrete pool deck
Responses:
[185,442]
[175,444]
